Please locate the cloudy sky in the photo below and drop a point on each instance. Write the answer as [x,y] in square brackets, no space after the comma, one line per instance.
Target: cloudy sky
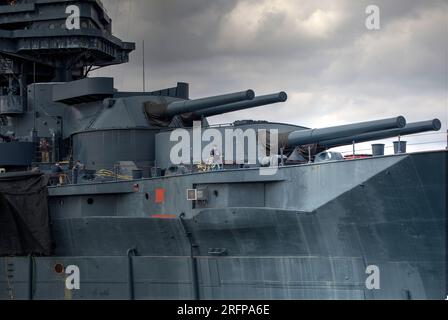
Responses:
[320,52]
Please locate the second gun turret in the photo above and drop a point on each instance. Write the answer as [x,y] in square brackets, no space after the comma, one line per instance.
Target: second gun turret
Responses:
[314,136]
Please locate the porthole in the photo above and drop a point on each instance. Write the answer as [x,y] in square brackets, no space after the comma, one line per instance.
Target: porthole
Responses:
[59,268]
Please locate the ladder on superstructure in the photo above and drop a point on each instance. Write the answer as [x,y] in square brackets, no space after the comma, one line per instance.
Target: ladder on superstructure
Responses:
[6,65]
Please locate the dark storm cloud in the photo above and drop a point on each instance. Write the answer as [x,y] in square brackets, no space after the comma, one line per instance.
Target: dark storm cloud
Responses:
[176,31]
[320,52]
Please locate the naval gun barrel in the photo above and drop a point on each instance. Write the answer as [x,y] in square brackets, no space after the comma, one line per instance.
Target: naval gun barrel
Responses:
[256,102]
[304,137]
[411,128]
[187,106]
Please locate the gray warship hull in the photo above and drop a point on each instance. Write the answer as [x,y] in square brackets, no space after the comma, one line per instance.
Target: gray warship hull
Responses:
[307,232]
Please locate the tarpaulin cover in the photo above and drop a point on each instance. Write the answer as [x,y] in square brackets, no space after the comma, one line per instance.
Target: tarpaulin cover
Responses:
[156,115]
[24,218]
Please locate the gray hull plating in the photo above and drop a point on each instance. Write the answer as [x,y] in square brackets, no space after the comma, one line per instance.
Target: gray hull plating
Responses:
[308,232]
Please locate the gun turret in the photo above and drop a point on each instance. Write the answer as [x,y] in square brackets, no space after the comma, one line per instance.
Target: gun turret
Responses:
[305,137]
[411,128]
[187,106]
[257,102]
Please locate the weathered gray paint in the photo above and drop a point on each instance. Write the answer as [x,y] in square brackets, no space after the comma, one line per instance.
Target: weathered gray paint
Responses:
[17,154]
[104,149]
[84,90]
[281,250]
[269,253]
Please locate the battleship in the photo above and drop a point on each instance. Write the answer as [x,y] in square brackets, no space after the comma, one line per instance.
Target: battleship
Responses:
[92,205]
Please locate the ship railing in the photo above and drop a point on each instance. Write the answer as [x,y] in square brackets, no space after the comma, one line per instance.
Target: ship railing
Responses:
[220,125]
[439,141]
[123,172]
